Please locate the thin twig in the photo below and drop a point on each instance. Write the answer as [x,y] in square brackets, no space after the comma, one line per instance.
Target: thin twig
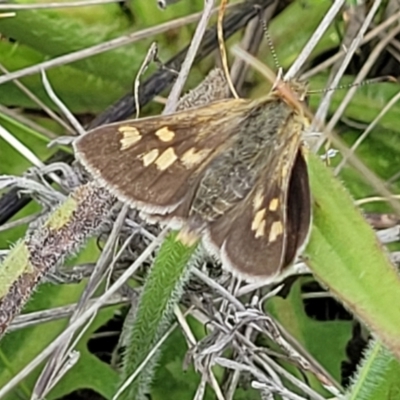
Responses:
[24,151]
[322,110]
[63,108]
[222,50]
[309,47]
[40,6]
[39,317]
[371,126]
[101,48]
[251,42]
[83,317]
[176,91]
[361,76]
[41,104]
[150,56]
[21,119]
[52,369]
[323,66]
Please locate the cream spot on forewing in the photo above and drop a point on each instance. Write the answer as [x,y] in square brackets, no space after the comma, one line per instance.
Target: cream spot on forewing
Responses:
[258,224]
[258,200]
[260,230]
[127,128]
[165,134]
[130,136]
[166,159]
[150,157]
[191,158]
[273,205]
[276,230]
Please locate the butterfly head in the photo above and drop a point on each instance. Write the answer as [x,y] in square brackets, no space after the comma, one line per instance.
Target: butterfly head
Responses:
[293,91]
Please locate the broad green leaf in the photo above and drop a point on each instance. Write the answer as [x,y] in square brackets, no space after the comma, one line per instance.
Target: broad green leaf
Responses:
[312,334]
[345,255]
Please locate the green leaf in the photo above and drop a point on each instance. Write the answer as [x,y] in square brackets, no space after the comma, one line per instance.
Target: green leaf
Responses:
[377,376]
[345,255]
[161,292]
[312,334]
[89,372]
[80,91]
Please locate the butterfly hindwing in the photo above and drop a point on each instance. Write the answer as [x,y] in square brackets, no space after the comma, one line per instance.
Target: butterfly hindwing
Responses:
[252,237]
[298,208]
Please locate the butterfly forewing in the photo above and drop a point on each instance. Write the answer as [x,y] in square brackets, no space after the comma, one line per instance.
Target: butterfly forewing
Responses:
[153,162]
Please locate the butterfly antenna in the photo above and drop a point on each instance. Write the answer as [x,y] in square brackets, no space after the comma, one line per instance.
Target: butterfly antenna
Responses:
[269,40]
[379,79]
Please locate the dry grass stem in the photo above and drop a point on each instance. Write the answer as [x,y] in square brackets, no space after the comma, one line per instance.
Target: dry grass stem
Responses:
[102,47]
[45,6]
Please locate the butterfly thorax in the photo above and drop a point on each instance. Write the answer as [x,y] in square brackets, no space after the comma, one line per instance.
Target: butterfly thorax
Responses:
[293,92]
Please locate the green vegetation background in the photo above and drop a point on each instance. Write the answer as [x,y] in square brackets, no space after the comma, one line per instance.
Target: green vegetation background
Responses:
[88,87]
